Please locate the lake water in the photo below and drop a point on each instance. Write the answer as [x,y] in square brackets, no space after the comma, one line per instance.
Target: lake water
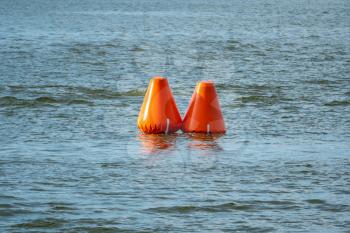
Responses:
[72,79]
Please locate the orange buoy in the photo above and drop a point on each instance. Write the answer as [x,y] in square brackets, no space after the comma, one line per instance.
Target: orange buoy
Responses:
[204,113]
[159,113]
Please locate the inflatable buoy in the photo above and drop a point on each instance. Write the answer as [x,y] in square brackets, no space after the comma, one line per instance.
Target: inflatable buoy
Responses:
[159,113]
[204,112]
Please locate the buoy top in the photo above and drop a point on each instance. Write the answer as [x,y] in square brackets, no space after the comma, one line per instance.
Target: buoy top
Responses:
[206,83]
[205,87]
[159,82]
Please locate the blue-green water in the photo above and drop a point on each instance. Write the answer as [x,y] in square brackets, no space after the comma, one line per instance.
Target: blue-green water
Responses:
[72,79]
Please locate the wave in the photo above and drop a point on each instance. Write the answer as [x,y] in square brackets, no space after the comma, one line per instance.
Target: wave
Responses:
[338,103]
[78,91]
[322,82]
[7,210]
[249,87]
[235,45]
[231,206]
[315,201]
[42,223]
[7,101]
[105,93]
[263,99]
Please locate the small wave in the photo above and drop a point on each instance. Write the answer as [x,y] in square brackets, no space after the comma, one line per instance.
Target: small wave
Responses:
[223,86]
[7,197]
[92,62]
[42,223]
[334,207]
[137,49]
[24,87]
[11,210]
[315,201]
[45,99]
[232,44]
[134,93]
[111,165]
[61,206]
[235,45]
[111,45]
[231,206]
[100,49]
[253,99]
[275,202]
[99,229]
[79,101]
[5,206]
[248,88]
[8,101]
[78,94]
[262,99]
[321,81]
[338,103]
[108,94]
[322,58]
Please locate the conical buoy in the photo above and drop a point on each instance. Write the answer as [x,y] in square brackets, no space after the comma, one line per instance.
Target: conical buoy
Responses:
[204,112]
[159,113]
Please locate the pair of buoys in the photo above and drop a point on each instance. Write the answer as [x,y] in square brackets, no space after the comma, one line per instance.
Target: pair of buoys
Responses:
[159,113]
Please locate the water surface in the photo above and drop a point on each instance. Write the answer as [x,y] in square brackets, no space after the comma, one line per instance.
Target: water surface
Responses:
[72,79]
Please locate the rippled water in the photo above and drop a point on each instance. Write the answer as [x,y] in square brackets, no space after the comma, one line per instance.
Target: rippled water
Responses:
[72,79]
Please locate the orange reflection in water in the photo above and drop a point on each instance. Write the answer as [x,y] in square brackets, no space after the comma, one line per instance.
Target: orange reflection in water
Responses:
[204,141]
[155,143]
[158,143]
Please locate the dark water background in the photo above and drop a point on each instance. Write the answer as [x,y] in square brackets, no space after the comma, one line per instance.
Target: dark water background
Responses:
[72,79]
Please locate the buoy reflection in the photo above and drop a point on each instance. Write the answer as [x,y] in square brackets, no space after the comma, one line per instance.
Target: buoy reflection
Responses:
[205,141]
[155,143]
